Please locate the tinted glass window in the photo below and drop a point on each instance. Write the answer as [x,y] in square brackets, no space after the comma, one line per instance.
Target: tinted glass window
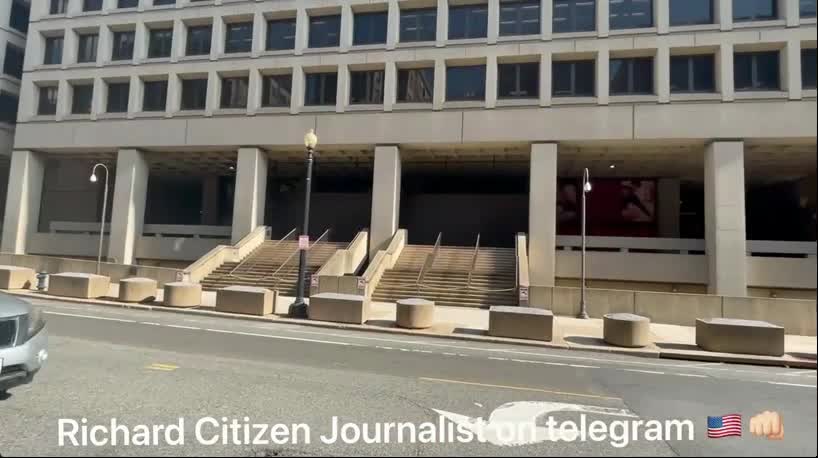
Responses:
[13,62]
[690,12]
[755,10]
[808,68]
[155,95]
[276,90]
[416,85]
[161,41]
[574,79]
[127,3]
[418,25]
[19,16]
[631,14]
[320,88]
[466,83]
[632,76]
[122,46]
[234,92]
[163,2]
[519,18]
[57,6]
[281,34]
[118,94]
[369,28]
[53,51]
[692,74]
[47,103]
[198,40]
[91,5]
[81,98]
[8,107]
[87,48]
[518,80]
[194,94]
[469,21]
[366,87]
[757,71]
[325,31]
[238,37]
[574,16]
[807,8]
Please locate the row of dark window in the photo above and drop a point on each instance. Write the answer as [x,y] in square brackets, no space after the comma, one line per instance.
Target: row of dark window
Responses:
[688,74]
[18,19]
[8,107]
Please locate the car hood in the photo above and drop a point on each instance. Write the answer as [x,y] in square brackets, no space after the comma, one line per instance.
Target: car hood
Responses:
[12,306]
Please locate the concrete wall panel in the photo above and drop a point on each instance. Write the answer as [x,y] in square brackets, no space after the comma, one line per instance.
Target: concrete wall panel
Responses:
[679,309]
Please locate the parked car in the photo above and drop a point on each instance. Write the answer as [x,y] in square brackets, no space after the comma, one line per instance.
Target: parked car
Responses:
[23,342]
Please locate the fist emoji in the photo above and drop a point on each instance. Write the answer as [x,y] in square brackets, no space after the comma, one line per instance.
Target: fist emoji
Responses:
[768,424]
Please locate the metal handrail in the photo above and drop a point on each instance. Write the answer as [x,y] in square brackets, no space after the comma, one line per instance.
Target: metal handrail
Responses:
[473,261]
[428,262]
[287,236]
[278,279]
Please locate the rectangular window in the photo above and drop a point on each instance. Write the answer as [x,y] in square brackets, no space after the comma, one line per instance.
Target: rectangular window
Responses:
[468,21]
[369,28]
[808,68]
[325,31]
[8,107]
[57,6]
[155,95]
[631,14]
[281,34]
[81,98]
[755,10]
[757,71]
[276,90]
[466,83]
[416,85]
[13,62]
[47,103]
[574,16]
[238,37]
[518,81]
[91,5]
[234,92]
[118,94]
[87,47]
[53,51]
[19,16]
[574,78]
[163,2]
[691,12]
[160,43]
[127,4]
[194,94]
[418,25]
[520,18]
[366,87]
[692,74]
[123,45]
[198,40]
[320,88]
[807,8]
[632,76]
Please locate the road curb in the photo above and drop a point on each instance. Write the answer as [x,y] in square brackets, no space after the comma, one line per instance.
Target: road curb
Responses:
[651,352]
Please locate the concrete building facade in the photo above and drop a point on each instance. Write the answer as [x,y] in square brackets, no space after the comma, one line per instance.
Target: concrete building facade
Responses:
[435,115]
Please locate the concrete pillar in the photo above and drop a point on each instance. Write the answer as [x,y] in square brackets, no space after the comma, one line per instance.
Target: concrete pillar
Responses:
[603,75]
[725,71]
[542,214]
[97,105]
[214,83]
[178,40]
[217,38]
[128,206]
[250,192]
[725,233]
[23,200]
[210,200]
[69,47]
[791,66]
[662,73]
[439,95]
[546,19]
[662,13]
[346,28]
[259,31]
[385,197]
[253,91]
[104,47]
[342,94]
[174,94]
[63,99]
[134,96]
[491,81]
[302,29]
[603,20]
[724,12]
[442,23]
[297,92]
[140,42]
[393,24]
[493,16]
[390,86]
[668,196]
[792,12]
[546,78]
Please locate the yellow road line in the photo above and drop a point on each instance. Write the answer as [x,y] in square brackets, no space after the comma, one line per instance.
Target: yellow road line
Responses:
[162,367]
[519,388]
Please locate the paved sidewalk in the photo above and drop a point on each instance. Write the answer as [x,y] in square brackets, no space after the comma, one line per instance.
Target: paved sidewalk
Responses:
[670,341]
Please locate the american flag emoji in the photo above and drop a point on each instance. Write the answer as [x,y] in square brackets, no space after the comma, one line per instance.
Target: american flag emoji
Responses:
[724,426]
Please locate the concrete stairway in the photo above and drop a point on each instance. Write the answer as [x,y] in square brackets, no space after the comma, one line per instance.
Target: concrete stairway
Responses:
[258,268]
[493,281]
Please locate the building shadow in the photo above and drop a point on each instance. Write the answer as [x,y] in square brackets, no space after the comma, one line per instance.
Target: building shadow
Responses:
[585,340]
[802,355]
[381,323]
[677,346]
[470,331]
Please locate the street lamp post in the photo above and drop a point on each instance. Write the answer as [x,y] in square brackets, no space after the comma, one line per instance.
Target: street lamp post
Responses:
[104,209]
[586,188]
[298,309]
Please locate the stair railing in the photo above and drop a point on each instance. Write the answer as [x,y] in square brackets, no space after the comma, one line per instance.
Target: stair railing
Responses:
[288,236]
[278,278]
[473,265]
[428,262]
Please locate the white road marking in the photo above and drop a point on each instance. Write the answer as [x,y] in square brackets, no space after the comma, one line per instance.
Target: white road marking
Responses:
[497,359]
[449,354]
[179,326]
[644,371]
[584,367]
[691,375]
[150,323]
[101,318]
[792,384]
[547,363]
[269,336]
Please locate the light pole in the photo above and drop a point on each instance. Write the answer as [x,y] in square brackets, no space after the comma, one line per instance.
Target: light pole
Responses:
[298,309]
[104,208]
[586,188]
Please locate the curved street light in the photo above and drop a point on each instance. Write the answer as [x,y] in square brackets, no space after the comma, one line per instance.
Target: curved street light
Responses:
[93,179]
[299,307]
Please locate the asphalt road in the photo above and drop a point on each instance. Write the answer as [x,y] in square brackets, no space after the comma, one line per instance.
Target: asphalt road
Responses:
[155,368]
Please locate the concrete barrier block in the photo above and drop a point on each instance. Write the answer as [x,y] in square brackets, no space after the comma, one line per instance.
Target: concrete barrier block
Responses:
[247,300]
[521,323]
[137,289]
[626,330]
[182,294]
[598,301]
[339,308]
[796,316]
[678,309]
[86,286]
[14,277]
[415,313]
[727,335]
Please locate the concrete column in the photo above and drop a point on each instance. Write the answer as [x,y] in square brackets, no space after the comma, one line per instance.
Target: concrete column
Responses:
[213,86]
[174,95]
[546,19]
[346,28]
[23,201]
[439,96]
[493,15]
[253,91]
[104,46]
[177,46]
[491,81]
[250,192]
[724,12]
[662,13]
[393,24]
[210,200]
[140,42]
[542,214]
[725,233]
[63,99]
[603,75]
[792,12]
[385,198]
[297,92]
[390,86]
[259,28]
[442,22]
[668,195]
[725,71]
[128,206]
[217,38]
[69,47]
[302,30]
[134,96]
[73,8]
[342,94]
[662,73]
[546,78]
[97,98]
[791,66]
[603,20]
